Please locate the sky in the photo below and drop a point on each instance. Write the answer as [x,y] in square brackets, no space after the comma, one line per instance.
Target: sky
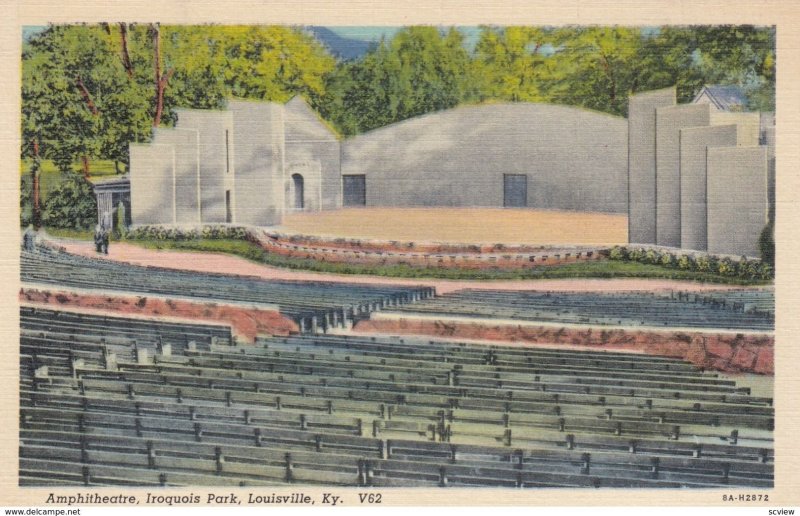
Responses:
[348,42]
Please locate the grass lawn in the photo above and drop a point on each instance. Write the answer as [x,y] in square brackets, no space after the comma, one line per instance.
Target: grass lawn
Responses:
[50,177]
[77,234]
[591,269]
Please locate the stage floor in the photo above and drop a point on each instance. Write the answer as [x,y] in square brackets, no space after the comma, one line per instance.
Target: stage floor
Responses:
[463,225]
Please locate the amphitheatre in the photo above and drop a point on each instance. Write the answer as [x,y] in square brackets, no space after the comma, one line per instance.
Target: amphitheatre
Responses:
[161,365]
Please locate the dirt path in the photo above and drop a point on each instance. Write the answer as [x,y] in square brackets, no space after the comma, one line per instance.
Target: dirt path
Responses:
[227,264]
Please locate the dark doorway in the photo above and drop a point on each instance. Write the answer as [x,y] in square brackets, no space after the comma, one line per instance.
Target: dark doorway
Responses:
[228,213]
[515,190]
[355,190]
[298,191]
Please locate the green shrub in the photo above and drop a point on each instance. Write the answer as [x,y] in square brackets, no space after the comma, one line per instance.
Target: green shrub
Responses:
[26,202]
[618,253]
[636,255]
[652,256]
[687,263]
[71,205]
[726,267]
[208,232]
[668,260]
[707,264]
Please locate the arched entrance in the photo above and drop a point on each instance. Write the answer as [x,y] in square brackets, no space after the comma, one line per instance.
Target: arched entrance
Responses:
[297,180]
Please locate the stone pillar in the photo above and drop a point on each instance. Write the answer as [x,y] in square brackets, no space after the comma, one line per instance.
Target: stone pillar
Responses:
[694,144]
[642,163]
[738,199]
[669,122]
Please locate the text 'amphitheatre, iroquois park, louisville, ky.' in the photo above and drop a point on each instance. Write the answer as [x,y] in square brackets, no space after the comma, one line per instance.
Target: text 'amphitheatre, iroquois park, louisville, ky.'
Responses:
[419,256]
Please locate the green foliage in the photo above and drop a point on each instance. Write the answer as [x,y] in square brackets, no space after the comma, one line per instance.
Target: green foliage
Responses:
[583,269]
[239,241]
[618,253]
[71,205]
[510,64]
[75,234]
[741,270]
[595,67]
[79,99]
[207,232]
[652,256]
[76,98]
[704,264]
[420,70]
[26,202]
[726,267]
[687,263]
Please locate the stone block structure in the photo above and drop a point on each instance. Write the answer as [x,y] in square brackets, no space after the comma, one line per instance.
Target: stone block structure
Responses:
[513,155]
[669,122]
[738,201]
[694,145]
[642,163]
[700,178]
[255,161]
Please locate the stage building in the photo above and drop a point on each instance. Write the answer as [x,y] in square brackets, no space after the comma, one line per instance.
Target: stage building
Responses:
[693,176]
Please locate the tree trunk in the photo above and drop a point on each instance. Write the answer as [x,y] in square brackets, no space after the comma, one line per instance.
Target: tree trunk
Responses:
[86,96]
[126,58]
[161,80]
[116,167]
[36,215]
[155,33]
[610,75]
[85,166]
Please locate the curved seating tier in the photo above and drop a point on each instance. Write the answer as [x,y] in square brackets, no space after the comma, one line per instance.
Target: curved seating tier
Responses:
[362,411]
[608,309]
[314,305]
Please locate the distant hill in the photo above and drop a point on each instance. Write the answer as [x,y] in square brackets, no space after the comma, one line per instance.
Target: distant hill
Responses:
[353,42]
[344,47]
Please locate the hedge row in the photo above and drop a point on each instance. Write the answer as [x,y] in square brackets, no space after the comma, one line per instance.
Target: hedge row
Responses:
[743,268]
[178,234]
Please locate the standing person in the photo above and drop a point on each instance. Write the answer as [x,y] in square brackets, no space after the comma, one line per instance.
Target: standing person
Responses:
[105,237]
[98,238]
[28,239]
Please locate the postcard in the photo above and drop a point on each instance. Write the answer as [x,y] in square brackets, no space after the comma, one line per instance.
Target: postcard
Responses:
[370,256]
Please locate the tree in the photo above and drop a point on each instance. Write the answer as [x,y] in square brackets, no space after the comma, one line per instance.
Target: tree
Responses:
[420,70]
[274,63]
[71,205]
[161,79]
[512,63]
[594,67]
[691,57]
[77,99]
[26,202]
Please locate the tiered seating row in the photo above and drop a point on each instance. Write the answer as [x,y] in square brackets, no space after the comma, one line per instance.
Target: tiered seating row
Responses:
[614,309]
[147,333]
[383,412]
[745,300]
[315,305]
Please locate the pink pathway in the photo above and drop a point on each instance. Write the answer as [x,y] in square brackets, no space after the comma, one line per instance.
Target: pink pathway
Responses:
[227,264]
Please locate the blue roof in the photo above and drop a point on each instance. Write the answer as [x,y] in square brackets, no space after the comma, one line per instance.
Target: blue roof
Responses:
[726,98]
